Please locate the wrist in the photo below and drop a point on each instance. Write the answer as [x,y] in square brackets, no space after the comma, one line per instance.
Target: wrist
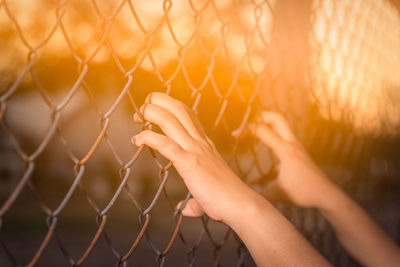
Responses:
[245,204]
[321,192]
[334,199]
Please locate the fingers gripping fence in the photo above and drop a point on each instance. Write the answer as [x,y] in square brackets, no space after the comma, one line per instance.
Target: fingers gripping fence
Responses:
[225,60]
[125,170]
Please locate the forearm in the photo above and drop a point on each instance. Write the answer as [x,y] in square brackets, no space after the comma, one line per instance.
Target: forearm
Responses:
[357,232]
[271,239]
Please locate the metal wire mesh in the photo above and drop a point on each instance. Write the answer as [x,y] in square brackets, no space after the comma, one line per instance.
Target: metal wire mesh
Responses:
[74,72]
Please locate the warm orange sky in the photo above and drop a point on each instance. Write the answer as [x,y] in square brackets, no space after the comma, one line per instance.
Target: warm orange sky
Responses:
[355,55]
[356,61]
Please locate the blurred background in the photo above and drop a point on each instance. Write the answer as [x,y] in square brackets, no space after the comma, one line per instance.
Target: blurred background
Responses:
[72,73]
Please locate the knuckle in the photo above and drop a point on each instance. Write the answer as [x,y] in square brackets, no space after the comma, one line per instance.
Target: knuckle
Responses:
[174,150]
[167,143]
[193,159]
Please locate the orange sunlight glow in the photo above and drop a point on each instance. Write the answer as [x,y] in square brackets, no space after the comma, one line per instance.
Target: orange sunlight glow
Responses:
[355,63]
[128,39]
[355,55]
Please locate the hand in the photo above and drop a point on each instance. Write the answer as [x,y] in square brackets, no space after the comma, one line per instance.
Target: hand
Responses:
[299,180]
[211,182]
[217,191]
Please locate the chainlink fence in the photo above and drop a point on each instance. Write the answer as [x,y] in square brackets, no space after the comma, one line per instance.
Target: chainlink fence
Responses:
[74,191]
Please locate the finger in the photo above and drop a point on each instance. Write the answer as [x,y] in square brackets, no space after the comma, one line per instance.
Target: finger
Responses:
[268,137]
[279,124]
[167,122]
[273,192]
[163,144]
[192,208]
[185,115]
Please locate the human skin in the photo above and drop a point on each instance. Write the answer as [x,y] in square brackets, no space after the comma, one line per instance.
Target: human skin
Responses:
[302,183]
[217,191]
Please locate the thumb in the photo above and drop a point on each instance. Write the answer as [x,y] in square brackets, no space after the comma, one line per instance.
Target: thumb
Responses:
[192,208]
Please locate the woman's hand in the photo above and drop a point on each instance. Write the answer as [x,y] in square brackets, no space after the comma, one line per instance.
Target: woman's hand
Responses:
[298,180]
[215,188]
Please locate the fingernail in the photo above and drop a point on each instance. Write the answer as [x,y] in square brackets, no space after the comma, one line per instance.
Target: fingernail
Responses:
[148,99]
[134,139]
[137,118]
